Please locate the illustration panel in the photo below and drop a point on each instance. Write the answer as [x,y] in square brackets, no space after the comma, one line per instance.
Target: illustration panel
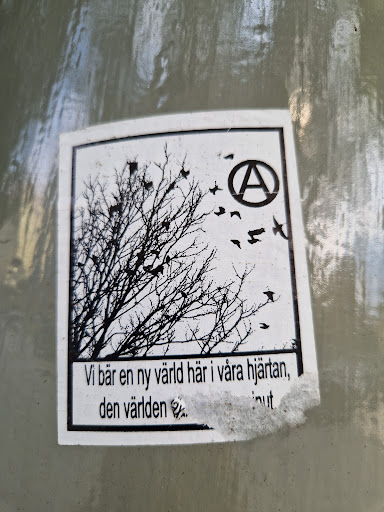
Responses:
[182,281]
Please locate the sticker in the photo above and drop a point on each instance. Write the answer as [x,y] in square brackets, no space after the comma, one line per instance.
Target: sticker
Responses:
[184,311]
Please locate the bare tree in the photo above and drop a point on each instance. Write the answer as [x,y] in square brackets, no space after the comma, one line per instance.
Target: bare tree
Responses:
[141,277]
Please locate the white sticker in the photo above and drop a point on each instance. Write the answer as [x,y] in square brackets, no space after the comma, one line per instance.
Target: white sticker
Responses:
[184,311]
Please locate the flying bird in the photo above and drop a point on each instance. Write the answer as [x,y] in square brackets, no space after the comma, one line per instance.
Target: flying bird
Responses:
[237,243]
[263,325]
[256,232]
[269,295]
[229,157]
[236,214]
[214,189]
[278,228]
[253,234]
[221,211]
[184,173]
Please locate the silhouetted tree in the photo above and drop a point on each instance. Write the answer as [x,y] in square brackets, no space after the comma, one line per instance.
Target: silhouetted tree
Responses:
[141,276]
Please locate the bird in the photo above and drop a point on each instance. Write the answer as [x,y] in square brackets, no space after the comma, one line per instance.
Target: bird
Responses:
[256,232]
[148,185]
[269,295]
[171,186]
[214,189]
[154,271]
[132,167]
[254,240]
[157,270]
[236,214]
[263,325]
[167,259]
[237,243]
[229,157]
[95,260]
[221,211]
[278,228]
[184,295]
[165,224]
[184,173]
[114,208]
[140,257]
[5,241]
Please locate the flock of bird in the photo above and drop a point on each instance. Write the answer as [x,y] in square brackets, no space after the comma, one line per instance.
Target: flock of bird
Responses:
[253,234]
[277,228]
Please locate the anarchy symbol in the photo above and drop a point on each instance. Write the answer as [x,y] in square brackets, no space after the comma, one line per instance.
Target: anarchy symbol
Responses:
[254,169]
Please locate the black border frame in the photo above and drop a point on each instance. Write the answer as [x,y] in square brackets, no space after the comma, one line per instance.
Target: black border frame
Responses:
[297,350]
